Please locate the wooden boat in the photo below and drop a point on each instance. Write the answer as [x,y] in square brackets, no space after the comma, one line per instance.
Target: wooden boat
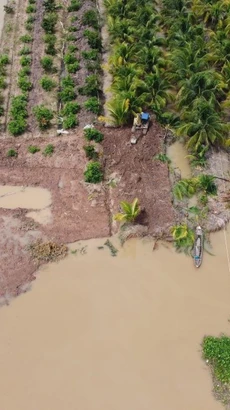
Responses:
[198,247]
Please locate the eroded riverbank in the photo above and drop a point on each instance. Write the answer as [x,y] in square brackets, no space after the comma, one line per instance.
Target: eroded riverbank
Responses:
[121,332]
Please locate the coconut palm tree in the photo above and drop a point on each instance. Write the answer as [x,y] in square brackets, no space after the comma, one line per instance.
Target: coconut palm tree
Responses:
[119,110]
[130,211]
[203,126]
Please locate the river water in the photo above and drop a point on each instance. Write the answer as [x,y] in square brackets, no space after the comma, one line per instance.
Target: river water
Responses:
[100,332]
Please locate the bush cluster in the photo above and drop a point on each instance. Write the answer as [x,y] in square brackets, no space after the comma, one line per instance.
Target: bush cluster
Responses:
[93,105]
[90,152]
[92,134]
[47,83]
[18,114]
[74,5]
[49,150]
[93,173]
[32,149]
[90,18]
[217,351]
[92,86]
[43,116]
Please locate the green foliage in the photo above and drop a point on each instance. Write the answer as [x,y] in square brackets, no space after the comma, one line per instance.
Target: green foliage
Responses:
[75,5]
[119,111]
[3,83]
[67,94]
[19,107]
[72,29]
[90,18]
[49,39]
[25,61]
[189,187]
[93,173]
[93,105]
[17,127]
[92,86]
[90,55]
[48,151]
[29,26]
[24,83]
[93,38]
[12,153]
[26,38]
[47,64]
[69,58]
[25,51]
[70,121]
[4,59]
[31,8]
[70,108]
[90,152]
[217,351]
[47,83]
[72,48]
[50,50]
[49,22]
[183,237]
[43,116]
[92,134]
[73,68]
[32,149]
[67,82]
[162,157]
[9,9]
[70,37]
[49,5]
[24,71]
[30,19]
[130,211]
[1,110]
[207,185]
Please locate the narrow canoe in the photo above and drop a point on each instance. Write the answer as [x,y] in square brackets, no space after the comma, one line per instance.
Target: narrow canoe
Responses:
[198,247]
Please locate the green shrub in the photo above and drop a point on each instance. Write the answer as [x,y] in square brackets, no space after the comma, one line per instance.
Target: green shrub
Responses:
[73,68]
[32,149]
[49,39]
[24,84]
[25,61]
[47,63]
[30,19]
[43,116]
[1,110]
[92,85]
[26,38]
[75,5]
[93,173]
[72,29]
[24,71]
[73,19]
[12,153]
[19,107]
[3,83]
[29,26]
[9,9]
[92,134]
[18,126]
[31,8]
[49,5]
[93,39]
[90,19]
[67,82]
[90,152]
[93,105]
[50,50]
[72,48]
[217,351]
[70,121]
[49,22]
[90,55]
[70,108]
[67,94]
[25,51]
[70,58]
[47,83]
[32,1]
[4,59]
[49,150]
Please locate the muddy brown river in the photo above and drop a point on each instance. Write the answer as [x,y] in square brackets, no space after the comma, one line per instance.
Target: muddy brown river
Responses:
[97,332]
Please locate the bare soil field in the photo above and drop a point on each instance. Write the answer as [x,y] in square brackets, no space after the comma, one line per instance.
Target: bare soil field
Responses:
[79,210]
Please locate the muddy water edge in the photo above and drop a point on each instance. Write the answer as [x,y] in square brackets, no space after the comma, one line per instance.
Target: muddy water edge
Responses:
[119,332]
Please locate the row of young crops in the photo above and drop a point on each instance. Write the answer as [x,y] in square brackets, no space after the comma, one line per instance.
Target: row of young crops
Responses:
[70,65]
[174,59]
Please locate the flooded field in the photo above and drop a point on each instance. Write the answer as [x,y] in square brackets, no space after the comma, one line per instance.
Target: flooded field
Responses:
[12,197]
[97,332]
[178,153]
